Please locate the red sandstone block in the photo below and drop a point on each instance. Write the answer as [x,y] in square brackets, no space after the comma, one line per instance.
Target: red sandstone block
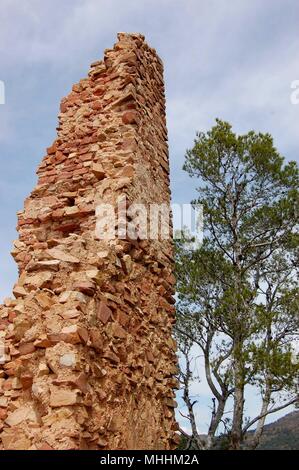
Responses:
[104,312]
[56,338]
[64,175]
[130,117]
[44,217]
[96,340]
[86,157]
[40,246]
[83,333]
[68,147]
[77,87]
[86,287]
[43,343]
[11,316]
[26,381]
[51,150]
[58,214]
[67,228]
[97,105]
[131,106]
[81,171]
[70,165]
[41,180]
[86,210]
[128,171]
[3,325]
[3,414]
[26,348]
[63,106]
[99,90]
[84,95]
[123,318]
[150,356]
[161,290]
[26,221]
[42,166]
[83,149]
[50,173]
[7,385]
[129,144]
[46,180]
[87,177]
[112,357]
[59,157]
[171,279]
[45,446]
[89,140]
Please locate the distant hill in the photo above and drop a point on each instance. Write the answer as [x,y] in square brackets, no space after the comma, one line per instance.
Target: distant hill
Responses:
[283,434]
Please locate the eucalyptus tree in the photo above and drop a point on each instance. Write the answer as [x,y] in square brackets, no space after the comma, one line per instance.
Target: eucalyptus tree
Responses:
[238,293]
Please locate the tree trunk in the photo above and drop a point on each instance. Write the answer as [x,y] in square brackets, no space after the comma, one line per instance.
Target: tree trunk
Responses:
[186,397]
[216,418]
[260,425]
[236,432]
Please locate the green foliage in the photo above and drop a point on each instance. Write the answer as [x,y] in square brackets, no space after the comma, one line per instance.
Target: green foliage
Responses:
[249,195]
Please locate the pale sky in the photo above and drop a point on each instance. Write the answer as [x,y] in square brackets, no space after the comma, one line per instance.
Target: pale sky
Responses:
[232,59]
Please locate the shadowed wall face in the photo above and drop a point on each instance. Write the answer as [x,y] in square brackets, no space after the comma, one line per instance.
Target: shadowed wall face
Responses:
[88,360]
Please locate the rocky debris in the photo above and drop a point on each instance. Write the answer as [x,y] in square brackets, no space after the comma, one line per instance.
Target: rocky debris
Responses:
[98,171]
[24,413]
[86,287]
[19,291]
[60,255]
[60,397]
[104,312]
[26,348]
[89,359]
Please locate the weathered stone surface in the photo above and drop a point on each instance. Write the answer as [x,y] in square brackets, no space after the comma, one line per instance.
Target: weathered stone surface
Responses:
[104,312]
[89,358]
[62,256]
[19,291]
[98,171]
[68,360]
[15,440]
[20,415]
[60,397]
[86,287]
[26,348]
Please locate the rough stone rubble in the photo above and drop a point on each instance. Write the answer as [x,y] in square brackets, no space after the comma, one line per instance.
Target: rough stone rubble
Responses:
[89,357]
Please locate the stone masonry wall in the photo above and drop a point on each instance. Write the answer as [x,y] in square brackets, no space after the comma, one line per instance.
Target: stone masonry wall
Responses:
[89,358]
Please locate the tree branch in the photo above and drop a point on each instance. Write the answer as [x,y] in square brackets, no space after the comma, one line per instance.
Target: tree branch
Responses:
[272,410]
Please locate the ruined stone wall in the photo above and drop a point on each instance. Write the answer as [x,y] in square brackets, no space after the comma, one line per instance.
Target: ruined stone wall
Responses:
[89,358]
